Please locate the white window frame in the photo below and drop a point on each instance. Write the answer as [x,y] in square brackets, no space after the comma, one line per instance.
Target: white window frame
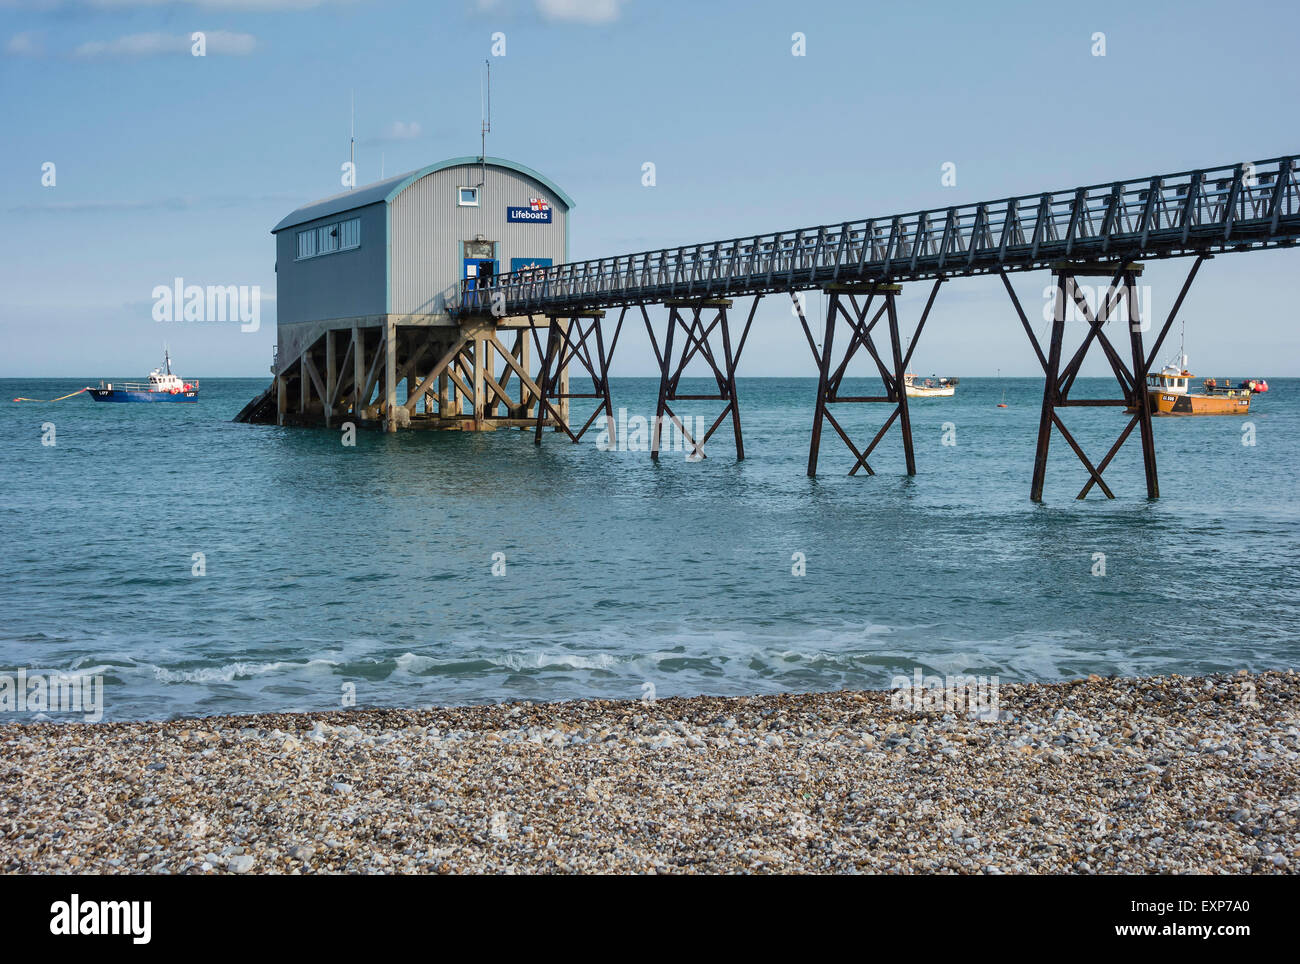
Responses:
[460,199]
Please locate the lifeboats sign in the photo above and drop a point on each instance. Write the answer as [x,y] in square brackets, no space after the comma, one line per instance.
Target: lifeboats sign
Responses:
[537,212]
[527,216]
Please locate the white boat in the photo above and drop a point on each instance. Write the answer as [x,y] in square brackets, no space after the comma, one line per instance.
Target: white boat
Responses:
[163,386]
[932,387]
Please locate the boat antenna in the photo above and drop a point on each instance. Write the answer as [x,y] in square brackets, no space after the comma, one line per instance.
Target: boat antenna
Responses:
[352,143]
[485,118]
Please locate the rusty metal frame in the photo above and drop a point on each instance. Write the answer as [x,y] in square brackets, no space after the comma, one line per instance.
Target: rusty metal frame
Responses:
[721,359]
[861,322]
[1131,376]
[565,344]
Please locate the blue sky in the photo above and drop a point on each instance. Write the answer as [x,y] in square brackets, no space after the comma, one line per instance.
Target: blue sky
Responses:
[172,165]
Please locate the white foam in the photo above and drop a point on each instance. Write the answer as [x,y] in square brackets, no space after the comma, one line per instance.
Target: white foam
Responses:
[231,671]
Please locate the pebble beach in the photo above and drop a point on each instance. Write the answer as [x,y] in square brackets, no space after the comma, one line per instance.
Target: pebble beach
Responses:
[1159,775]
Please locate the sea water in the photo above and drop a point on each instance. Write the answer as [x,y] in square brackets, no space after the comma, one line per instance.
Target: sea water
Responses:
[201,566]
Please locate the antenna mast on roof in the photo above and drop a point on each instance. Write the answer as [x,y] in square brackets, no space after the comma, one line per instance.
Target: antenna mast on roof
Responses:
[352,145]
[485,105]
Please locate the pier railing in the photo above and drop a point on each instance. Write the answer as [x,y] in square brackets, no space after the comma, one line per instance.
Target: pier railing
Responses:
[1234,207]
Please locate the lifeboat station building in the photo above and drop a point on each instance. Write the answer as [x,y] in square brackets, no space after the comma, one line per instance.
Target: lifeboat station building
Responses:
[367,286]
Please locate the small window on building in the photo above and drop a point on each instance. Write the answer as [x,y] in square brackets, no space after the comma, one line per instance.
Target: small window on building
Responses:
[350,233]
[467,197]
[327,239]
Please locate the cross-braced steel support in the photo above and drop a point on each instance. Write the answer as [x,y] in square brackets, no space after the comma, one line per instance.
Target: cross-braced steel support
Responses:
[843,303]
[571,338]
[1132,377]
[721,358]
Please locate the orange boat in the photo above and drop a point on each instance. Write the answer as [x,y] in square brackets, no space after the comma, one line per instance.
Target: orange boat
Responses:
[1169,394]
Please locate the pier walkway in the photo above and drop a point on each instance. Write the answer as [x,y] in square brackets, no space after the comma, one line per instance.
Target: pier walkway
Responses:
[573,314]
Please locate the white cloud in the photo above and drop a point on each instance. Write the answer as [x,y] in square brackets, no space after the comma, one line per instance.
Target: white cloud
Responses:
[396,131]
[220,42]
[403,131]
[24,45]
[581,11]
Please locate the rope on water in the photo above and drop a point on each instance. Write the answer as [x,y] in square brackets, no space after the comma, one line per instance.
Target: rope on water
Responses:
[59,399]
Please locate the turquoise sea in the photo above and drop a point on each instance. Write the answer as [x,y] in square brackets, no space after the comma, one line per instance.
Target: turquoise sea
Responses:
[326,565]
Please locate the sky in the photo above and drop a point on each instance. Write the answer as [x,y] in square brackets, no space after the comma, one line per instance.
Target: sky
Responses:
[169,165]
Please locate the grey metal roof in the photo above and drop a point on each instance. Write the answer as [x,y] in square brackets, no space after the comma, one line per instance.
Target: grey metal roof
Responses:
[389,188]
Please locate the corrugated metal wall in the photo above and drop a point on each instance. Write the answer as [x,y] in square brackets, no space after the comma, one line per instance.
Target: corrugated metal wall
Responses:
[345,284]
[428,228]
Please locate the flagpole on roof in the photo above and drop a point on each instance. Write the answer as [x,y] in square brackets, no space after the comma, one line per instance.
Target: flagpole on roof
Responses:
[485,125]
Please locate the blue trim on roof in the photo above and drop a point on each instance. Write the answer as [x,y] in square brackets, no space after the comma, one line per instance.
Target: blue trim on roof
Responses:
[388,189]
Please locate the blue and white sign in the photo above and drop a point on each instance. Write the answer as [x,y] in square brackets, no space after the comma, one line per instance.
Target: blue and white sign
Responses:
[528,215]
[529,264]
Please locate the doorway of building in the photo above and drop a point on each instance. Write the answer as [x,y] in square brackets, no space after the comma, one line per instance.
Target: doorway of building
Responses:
[479,271]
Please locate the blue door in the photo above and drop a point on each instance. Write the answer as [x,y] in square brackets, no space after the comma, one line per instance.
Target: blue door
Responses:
[477,269]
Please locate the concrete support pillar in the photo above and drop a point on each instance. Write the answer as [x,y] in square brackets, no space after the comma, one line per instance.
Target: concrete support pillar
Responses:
[390,376]
[478,386]
[446,389]
[358,371]
[331,376]
[520,353]
[564,379]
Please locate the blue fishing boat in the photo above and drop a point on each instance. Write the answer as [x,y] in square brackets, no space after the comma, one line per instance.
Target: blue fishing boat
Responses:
[162,386]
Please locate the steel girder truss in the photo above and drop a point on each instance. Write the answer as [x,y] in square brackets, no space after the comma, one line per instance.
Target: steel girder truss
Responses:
[843,304]
[571,338]
[698,339]
[1235,207]
[1131,376]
